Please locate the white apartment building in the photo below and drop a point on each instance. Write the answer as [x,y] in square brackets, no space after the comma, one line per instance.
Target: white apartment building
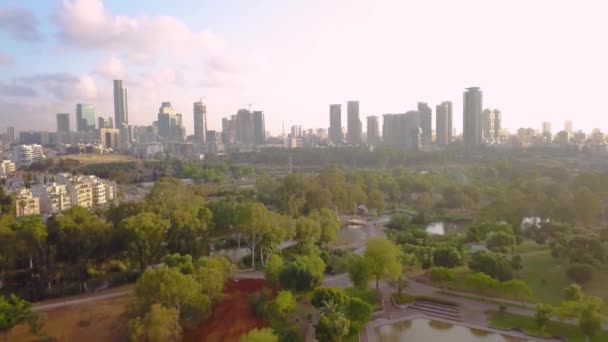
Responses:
[148,150]
[25,155]
[26,203]
[6,168]
[54,198]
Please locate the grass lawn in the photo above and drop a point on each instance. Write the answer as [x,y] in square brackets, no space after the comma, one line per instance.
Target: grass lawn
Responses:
[569,332]
[546,277]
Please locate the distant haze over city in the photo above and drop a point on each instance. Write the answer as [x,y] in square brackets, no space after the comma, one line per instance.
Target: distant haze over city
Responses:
[293,59]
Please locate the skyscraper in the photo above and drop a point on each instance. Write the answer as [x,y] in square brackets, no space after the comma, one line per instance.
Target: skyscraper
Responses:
[402,130]
[547,131]
[491,125]
[497,125]
[170,126]
[335,123]
[442,131]
[426,122]
[259,128]
[228,130]
[121,110]
[568,127]
[85,117]
[373,131]
[200,122]
[244,127]
[63,122]
[354,133]
[10,134]
[472,106]
[105,122]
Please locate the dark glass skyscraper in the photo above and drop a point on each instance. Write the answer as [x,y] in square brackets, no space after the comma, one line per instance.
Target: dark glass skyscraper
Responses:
[373,131]
[85,117]
[472,117]
[335,123]
[121,111]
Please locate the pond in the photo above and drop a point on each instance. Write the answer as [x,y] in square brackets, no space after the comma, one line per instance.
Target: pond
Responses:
[425,330]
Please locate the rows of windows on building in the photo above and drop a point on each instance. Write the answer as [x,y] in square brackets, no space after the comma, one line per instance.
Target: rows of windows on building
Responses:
[49,194]
[246,130]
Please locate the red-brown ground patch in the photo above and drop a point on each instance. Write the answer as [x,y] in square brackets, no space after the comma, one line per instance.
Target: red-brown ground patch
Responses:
[232,317]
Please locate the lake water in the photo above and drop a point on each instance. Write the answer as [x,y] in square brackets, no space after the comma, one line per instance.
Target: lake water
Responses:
[425,330]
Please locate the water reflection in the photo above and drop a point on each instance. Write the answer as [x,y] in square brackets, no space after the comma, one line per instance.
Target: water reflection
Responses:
[425,330]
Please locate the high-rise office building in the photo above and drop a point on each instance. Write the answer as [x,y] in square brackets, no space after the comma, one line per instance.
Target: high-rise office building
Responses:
[244,127]
[228,130]
[402,130]
[547,131]
[472,110]
[170,127]
[121,109]
[63,122]
[259,128]
[354,132]
[442,129]
[105,122]
[335,123]
[491,125]
[373,131]
[426,122]
[85,117]
[568,127]
[200,122]
[10,134]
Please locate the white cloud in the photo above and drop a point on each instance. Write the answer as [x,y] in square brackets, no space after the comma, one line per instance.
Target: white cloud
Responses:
[112,68]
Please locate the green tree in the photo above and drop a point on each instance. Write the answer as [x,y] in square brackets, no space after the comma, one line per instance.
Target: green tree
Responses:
[359,271]
[382,257]
[333,324]
[448,257]
[308,232]
[492,264]
[442,276]
[304,273]
[187,234]
[329,224]
[376,201]
[183,263]
[500,242]
[252,220]
[160,324]
[283,304]
[481,282]
[588,205]
[515,288]
[323,295]
[145,234]
[13,311]
[542,316]
[212,273]
[358,313]
[517,263]
[171,289]
[580,273]
[260,335]
[273,269]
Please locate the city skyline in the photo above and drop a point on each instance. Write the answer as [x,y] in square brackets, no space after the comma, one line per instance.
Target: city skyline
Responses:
[86,49]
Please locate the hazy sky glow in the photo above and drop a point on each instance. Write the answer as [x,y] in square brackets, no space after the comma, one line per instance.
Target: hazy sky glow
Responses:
[536,60]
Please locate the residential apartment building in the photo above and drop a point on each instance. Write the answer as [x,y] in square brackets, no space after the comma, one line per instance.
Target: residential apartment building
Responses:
[7,167]
[54,198]
[26,155]
[25,203]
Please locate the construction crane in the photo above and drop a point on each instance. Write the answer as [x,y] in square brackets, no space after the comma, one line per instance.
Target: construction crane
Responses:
[249,105]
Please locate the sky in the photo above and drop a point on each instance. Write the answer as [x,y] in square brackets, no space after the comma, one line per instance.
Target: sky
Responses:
[535,60]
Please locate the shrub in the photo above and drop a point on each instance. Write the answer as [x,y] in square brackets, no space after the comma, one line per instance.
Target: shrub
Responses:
[580,273]
[403,298]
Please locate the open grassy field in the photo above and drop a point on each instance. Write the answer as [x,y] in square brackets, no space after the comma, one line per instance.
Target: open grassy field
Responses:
[98,321]
[569,332]
[93,159]
[546,277]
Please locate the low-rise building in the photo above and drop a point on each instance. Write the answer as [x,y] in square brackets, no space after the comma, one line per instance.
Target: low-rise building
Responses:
[25,203]
[54,198]
[7,167]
